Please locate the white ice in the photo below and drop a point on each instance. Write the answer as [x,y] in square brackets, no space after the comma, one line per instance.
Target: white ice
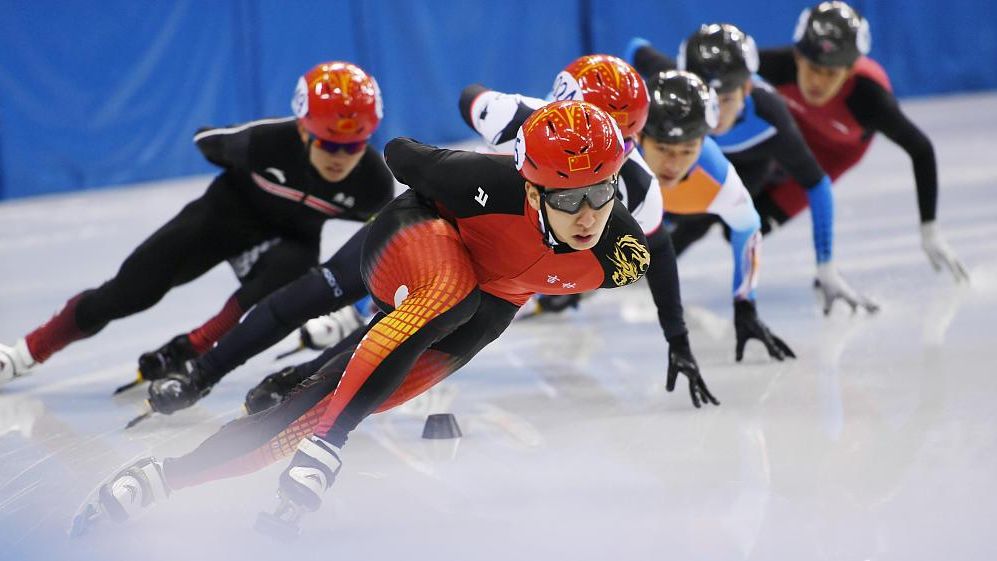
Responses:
[879,442]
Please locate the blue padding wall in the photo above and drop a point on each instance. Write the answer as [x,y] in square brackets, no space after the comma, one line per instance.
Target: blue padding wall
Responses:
[99,94]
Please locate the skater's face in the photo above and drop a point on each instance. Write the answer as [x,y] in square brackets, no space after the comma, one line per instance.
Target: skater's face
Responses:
[670,162]
[731,105]
[581,230]
[819,84]
[332,165]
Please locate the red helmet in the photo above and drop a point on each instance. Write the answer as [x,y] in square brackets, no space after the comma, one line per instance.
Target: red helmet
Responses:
[568,144]
[608,83]
[338,102]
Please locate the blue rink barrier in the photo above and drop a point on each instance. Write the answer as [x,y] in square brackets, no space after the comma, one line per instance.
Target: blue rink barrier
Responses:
[94,95]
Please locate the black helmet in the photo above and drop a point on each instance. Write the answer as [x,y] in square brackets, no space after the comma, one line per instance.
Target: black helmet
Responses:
[682,107]
[832,34]
[721,54]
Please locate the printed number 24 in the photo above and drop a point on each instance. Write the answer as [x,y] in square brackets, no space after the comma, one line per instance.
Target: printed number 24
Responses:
[561,92]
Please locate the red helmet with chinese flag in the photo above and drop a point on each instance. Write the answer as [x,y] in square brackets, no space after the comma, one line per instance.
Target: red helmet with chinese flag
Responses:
[610,84]
[339,102]
[567,144]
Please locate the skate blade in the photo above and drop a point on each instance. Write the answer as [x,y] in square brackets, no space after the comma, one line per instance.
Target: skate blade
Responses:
[139,419]
[289,353]
[138,380]
[276,527]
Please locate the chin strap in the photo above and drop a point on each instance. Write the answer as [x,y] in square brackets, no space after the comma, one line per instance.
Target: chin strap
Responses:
[550,240]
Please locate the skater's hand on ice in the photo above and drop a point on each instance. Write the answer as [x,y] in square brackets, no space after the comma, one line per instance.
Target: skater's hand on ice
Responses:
[747,325]
[681,361]
[940,253]
[831,286]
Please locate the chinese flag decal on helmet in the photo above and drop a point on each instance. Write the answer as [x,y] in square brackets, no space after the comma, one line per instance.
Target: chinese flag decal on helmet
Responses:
[569,144]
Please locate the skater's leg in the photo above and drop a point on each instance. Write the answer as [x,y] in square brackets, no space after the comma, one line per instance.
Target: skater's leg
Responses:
[279,265]
[415,260]
[181,250]
[332,285]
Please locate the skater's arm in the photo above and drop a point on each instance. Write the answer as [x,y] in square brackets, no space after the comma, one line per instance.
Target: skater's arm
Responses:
[466,183]
[496,116]
[877,109]
[227,147]
[733,205]
[791,151]
[663,281]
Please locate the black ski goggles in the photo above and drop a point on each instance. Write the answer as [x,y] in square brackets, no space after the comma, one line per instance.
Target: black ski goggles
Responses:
[333,147]
[570,200]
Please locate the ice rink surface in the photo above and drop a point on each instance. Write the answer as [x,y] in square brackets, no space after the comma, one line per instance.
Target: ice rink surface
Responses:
[878,443]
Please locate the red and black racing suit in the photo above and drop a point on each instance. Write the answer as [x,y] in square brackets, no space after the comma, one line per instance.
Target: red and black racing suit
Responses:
[448,262]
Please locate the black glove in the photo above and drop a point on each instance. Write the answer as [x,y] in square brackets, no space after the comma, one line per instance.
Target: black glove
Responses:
[179,390]
[748,326]
[680,360]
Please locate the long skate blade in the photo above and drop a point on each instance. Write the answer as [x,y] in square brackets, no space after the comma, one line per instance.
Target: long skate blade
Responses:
[274,526]
[138,380]
[139,419]
[290,352]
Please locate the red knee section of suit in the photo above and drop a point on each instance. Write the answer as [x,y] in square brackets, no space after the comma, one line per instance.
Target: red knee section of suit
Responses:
[56,333]
[204,337]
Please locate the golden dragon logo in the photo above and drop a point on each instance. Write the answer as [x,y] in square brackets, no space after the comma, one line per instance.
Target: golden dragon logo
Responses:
[631,259]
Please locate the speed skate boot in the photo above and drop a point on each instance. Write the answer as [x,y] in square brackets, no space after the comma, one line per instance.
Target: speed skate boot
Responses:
[325,331]
[273,389]
[131,490]
[167,359]
[313,470]
[545,304]
[15,361]
[179,390]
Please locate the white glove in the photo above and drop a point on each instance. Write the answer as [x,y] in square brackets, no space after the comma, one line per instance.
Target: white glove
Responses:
[831,286]
[940,253]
